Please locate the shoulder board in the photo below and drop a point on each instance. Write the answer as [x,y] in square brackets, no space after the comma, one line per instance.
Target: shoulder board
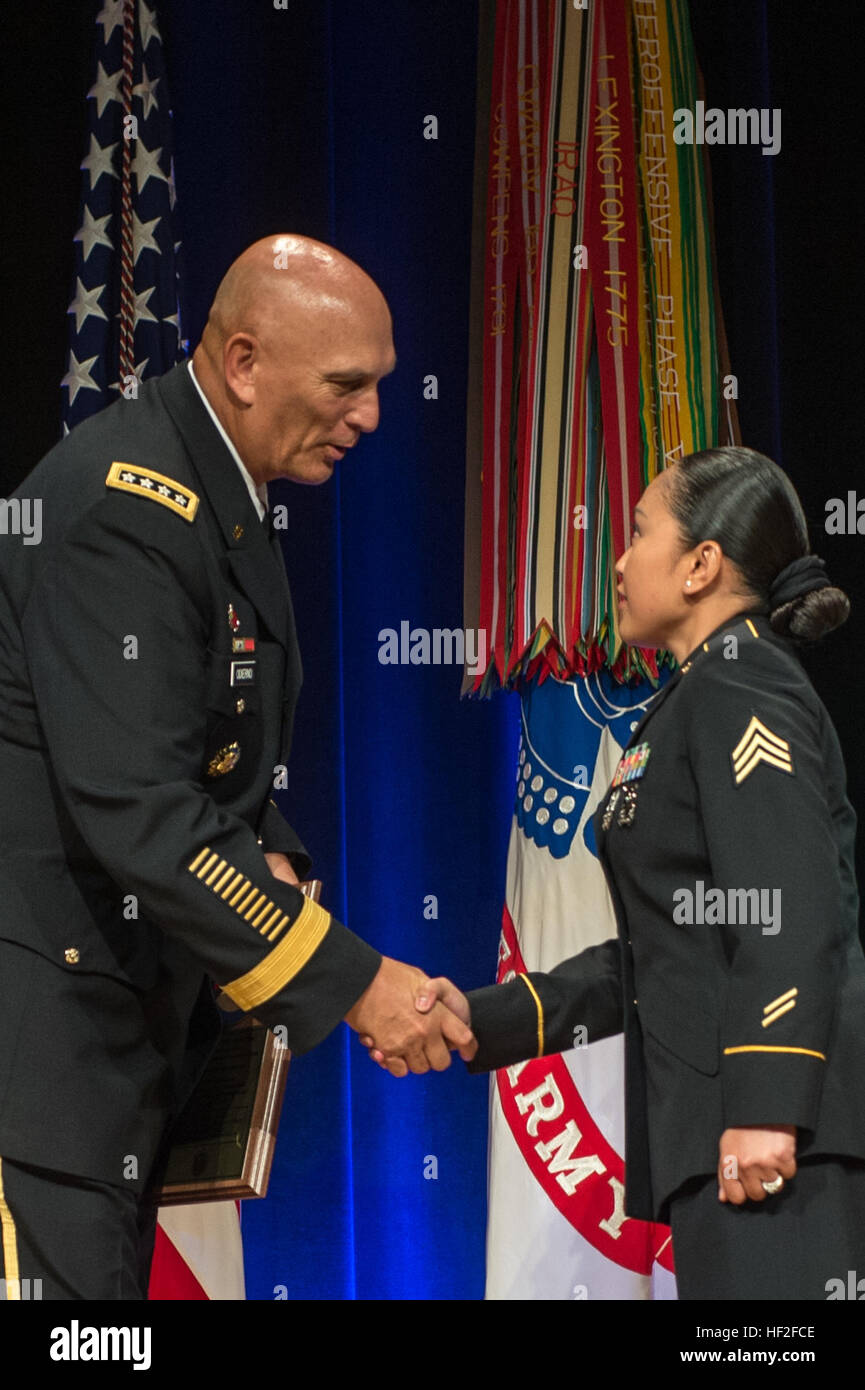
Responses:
[145,482]
[741,628]
[744,627]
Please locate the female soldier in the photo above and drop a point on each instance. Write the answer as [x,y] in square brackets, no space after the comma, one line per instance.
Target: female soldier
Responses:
[727,842]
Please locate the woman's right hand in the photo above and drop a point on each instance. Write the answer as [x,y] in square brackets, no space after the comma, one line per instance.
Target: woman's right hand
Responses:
[443,989]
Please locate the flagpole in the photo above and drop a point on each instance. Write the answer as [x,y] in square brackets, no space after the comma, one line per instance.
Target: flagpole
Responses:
[127,256]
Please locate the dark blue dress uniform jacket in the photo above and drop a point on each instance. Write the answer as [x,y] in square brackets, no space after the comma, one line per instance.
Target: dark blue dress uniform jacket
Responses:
[737,1008]
[139,734]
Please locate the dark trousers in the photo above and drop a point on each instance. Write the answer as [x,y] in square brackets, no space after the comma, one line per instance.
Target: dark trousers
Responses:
[792,1246]
[82,1239]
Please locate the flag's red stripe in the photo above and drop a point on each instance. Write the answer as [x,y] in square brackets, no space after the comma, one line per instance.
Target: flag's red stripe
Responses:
[170,1275]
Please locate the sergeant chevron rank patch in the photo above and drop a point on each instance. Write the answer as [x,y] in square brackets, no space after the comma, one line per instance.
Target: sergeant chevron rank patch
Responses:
[146,482]
[759,745]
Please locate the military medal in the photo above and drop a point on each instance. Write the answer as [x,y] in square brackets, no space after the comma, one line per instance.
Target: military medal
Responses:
[631,768]
[233,620]
[224,760]
[629,805]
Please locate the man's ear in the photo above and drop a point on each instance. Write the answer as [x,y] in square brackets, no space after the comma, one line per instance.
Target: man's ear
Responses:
[239,357]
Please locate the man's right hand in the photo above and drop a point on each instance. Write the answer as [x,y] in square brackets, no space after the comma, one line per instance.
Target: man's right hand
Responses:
[405,1037]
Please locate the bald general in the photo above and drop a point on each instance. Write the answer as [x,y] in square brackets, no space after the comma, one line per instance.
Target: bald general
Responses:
[297,339]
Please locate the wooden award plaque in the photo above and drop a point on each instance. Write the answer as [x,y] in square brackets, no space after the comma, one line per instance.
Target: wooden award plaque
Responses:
[223,1141]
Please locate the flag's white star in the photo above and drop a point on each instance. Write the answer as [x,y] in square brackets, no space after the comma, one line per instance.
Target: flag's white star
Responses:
[147,24]
[174,320]
[110,17]
[146,90]
[142,235]
[142,308]
[106,87]
[78,377]
[85,305]
[99,161]
[145,165]
[92,233]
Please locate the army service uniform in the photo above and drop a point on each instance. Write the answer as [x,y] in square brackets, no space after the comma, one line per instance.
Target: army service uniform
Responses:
[737,1009]
[148,675]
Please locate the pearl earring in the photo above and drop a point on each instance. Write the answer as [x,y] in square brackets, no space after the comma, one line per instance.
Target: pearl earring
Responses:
[687,583]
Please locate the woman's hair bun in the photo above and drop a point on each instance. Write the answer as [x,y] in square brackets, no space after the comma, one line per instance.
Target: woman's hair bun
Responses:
[810,616]
[746,503]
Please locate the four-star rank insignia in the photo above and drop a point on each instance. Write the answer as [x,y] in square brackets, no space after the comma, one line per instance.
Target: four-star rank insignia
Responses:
[146,482]
[759,745]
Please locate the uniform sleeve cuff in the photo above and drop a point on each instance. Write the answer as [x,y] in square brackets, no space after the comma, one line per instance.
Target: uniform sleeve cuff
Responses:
[508,1022]
[772,1085]
[339,969]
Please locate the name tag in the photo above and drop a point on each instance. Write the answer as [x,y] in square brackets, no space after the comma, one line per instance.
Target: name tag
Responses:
[243,673]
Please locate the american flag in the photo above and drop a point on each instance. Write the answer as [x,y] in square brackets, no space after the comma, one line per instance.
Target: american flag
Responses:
[124,327]
[124,315]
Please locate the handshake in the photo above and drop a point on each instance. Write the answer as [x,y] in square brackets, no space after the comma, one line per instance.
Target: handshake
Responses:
[407,1021]
[411,1023]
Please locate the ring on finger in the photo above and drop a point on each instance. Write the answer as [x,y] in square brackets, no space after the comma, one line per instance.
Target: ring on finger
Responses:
[770,1188]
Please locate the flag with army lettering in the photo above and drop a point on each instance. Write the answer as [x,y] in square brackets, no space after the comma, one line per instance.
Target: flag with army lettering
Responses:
[557,1228]
[597,358]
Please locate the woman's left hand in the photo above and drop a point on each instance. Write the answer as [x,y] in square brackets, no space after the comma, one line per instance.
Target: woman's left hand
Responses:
[752,1155]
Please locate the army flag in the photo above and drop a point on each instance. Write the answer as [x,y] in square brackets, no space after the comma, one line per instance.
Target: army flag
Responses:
[557,1227]
[597,355]
[597,359]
